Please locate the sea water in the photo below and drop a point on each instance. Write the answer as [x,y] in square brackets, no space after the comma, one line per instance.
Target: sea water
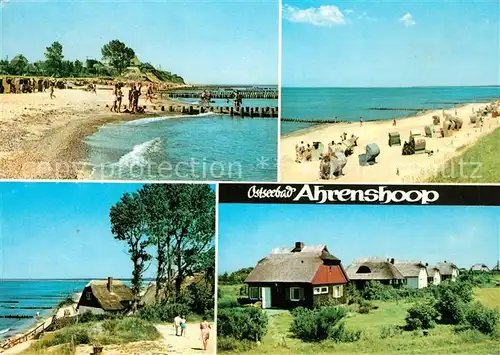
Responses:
[349,104]
[201,147]
[18,295]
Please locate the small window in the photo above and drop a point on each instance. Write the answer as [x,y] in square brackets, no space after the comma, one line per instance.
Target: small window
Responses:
[254,293]
[295,294]
[320,290]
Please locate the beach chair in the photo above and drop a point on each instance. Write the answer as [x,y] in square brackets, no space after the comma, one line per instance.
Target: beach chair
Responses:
[429,131]
[337,163]
[6,85]
[436,120]
[458,123]
[415,133]
[394,139]
[372,151]
[317,150]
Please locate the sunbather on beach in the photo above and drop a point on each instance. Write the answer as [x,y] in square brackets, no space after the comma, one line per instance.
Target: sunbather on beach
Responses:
[119,96]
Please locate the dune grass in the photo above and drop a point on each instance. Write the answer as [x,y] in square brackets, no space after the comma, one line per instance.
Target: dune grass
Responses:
[444,339]
[111,331]
[478,163]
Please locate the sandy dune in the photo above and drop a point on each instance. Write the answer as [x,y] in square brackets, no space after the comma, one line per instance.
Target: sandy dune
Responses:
[391,166]
[169,344]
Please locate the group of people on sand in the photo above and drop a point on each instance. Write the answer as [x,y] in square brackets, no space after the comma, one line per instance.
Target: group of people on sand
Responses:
[180,325]
[238,101]
[134,92]
[303,152]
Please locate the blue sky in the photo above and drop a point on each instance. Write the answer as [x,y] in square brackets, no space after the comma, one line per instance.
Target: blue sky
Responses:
[61,230]
[464,235]
[390,43]
[203,41]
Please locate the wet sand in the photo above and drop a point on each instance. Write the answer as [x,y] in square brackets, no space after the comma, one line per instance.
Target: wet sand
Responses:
[42,138]
[391,166]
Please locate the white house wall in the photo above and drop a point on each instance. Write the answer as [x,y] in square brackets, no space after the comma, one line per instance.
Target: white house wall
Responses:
[422,278]
[94,310]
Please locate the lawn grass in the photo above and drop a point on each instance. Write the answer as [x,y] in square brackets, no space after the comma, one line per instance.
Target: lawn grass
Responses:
[444,339]
[478,163]
[490,297]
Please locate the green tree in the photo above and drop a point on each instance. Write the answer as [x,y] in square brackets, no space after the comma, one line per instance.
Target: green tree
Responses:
[77,68]
[4,66]
[181,222]
[128,224]
[54,59]
[18,65]
[117,54]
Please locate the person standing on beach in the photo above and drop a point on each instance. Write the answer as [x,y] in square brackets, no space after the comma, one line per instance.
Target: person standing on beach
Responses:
[51,91]
[394,122]
[131,96]
[115,98]
[361,121]
[136,94]
[205,332]
[119,96]
[177,324]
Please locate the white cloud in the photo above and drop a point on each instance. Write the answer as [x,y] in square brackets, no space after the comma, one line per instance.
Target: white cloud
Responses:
[408,20]
[3,2]
[364,16]
[348,11]
[326,15]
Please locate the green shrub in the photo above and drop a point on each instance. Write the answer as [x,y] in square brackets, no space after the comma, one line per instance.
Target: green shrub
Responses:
[450,307]
[342,335]
[481,318]
[228,303]
[248,323]
[90,317]
[319,324]
[232,344]
[75,335]
[198,297]
[164,312]
[421,315]
[389,331]
[364,309]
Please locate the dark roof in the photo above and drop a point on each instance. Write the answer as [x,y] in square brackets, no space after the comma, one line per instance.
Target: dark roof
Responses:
[379,270]
[117,299]
[446,268]
[286,265]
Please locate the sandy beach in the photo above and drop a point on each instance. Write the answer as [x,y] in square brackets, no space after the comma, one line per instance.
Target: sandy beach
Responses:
[42,138]
[391,166]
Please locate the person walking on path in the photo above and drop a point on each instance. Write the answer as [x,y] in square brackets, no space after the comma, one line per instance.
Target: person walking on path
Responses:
[205,332]
[177,324]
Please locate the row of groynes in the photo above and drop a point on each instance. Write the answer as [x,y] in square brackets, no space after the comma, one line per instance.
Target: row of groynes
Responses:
[266,112]
[246,94]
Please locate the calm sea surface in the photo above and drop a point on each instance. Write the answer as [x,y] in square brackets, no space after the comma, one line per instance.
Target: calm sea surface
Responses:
[350,104]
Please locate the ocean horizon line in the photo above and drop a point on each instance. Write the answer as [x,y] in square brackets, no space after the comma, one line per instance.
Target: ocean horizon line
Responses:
[391,87]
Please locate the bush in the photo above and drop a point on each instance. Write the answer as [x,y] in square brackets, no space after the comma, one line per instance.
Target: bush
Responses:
[232,344]
[228,303]
[343,335]
[421,316]
[198,297]
[389,331]
[481,318]
[75,335]
[248,323]
[163,312]
[90,317]
[450,307]
[317,325]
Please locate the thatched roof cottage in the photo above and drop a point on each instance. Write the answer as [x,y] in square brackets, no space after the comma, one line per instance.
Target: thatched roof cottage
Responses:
[480,268]
[299,276]
[105,296]
[448,271]
[362,271]
[433,275]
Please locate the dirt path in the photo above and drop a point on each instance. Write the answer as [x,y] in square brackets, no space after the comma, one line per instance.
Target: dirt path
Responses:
[169,343]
